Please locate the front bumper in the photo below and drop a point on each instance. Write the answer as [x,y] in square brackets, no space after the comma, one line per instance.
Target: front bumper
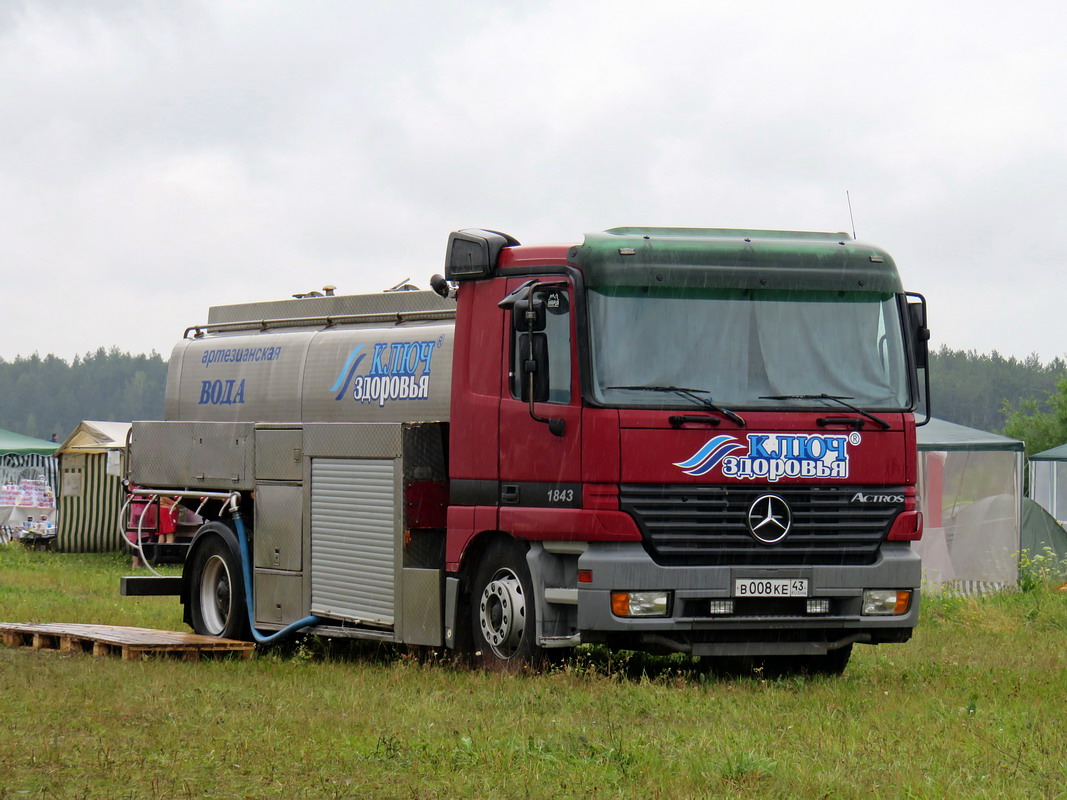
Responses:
[757,626]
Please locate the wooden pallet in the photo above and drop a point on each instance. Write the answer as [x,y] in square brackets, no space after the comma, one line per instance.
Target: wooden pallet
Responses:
[131,643]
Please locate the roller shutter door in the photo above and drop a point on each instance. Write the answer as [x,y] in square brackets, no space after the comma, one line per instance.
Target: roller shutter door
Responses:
[354,539]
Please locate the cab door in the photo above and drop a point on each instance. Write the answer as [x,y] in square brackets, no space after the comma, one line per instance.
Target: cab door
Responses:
[540,458]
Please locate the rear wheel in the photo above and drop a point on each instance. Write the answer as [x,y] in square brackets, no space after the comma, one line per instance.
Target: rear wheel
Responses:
[216,589]
[503,614]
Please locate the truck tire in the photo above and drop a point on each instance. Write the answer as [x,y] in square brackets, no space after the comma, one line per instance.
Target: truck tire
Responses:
[503,610]
[216,586]
[833,663]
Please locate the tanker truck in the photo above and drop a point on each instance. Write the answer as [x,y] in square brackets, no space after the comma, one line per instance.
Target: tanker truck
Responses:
[697,441]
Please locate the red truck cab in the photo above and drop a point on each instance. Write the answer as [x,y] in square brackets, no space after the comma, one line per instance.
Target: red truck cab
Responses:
[690,440]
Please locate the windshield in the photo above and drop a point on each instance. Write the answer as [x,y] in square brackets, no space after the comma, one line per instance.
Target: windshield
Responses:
[742,346]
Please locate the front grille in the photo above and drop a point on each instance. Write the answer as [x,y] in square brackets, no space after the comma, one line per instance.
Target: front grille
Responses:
[706,525]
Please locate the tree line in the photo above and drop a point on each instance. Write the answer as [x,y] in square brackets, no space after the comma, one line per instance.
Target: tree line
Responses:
[49,395]
[1023,398]
[981,390]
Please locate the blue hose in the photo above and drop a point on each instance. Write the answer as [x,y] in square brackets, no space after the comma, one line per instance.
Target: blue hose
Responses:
[246,570]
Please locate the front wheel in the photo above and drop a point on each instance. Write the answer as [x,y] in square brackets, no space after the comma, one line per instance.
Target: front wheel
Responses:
[216,588]
[833,663]
[503,613]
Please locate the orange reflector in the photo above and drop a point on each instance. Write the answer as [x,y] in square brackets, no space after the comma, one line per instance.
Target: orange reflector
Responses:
[903,602]
[620,604]
[585,576]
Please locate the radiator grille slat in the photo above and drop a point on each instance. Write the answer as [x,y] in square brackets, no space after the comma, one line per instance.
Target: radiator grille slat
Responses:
[706,525]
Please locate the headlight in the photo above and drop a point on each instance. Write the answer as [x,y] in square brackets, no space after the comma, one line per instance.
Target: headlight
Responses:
[640,604]
[886,602]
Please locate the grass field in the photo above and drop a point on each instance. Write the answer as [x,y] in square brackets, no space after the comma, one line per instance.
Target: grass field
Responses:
[973,706]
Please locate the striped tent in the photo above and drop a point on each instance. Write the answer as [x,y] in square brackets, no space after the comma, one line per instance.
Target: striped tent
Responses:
[23,458]
[16,466]
[26,457]
[91,492]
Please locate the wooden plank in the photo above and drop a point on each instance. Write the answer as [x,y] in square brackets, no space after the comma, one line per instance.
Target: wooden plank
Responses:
[129,642]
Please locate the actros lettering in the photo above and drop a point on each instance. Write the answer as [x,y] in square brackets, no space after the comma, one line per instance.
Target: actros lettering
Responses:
[222,393]
[773,456]
[860,497]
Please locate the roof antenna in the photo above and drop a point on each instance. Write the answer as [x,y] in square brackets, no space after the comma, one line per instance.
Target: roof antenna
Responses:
[850,218]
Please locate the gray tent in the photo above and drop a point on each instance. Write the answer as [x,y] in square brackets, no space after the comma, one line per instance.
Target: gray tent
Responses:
[1041,532]
[970,489]
[1048,481]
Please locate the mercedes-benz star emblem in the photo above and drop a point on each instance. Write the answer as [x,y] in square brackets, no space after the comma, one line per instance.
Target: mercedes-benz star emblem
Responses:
[769,518]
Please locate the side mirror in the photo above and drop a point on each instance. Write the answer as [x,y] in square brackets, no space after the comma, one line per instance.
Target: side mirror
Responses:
[920,340]
[920,334]
[528,319]
[533,349]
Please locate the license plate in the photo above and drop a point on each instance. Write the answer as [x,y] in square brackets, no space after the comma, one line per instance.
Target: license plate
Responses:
[770,587]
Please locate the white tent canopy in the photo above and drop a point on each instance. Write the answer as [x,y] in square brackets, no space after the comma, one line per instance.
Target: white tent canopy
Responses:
[970,490]
[96,437]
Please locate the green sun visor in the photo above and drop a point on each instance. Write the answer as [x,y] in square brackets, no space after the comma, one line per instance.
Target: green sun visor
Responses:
[716,258]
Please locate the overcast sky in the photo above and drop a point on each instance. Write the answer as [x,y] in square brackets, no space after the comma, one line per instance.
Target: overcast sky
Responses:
[157,158]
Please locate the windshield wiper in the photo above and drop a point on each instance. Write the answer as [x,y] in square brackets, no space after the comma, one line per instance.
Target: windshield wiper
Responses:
[690,394]
[839,399]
